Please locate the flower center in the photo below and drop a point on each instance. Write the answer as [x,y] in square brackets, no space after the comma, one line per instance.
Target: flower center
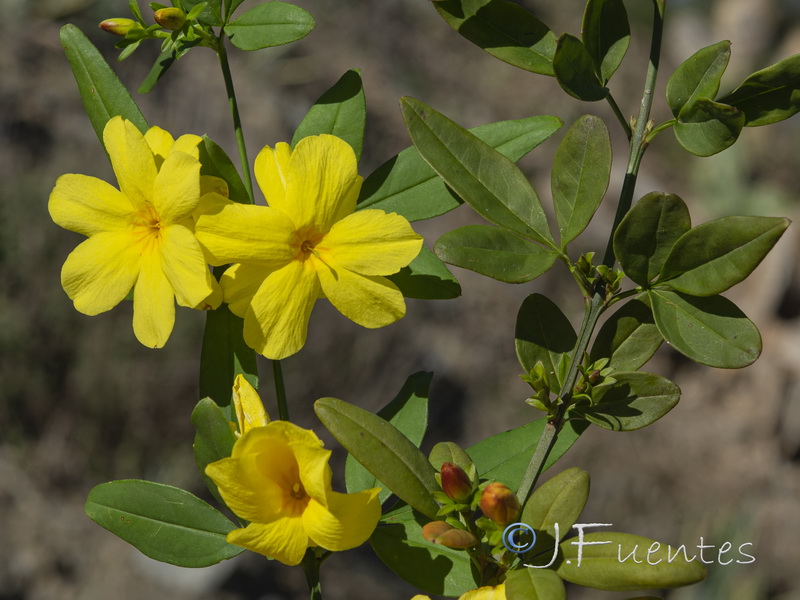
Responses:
[298,491]
[305,242]
[148,225]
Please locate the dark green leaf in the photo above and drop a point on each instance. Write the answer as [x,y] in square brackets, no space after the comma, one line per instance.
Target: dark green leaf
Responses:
[581,171]
[505,30]
[606,35]
[405,184]
[433,568]
[715,256]
[705,127]
[341,111]
[384,451]
[560,500]
[224,355]
[698,76]
[543,334]
[636,400]
[210,14]
[611,565]
[574,70]
[162,64]
[427,278]
[230,6]
[711,331]
[269,24]
[408,412]
[646,235]
[102,92]
[505,456]
[163,522]
[215,162]
[769,95]
[213,440]
[534,584]
[494,252]
[485,179]
[629,338]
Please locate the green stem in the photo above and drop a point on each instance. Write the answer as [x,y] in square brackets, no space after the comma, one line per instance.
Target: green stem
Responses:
[311,566]
[280,391]
[237,124]
[597,304]
[620,117]
[659,129]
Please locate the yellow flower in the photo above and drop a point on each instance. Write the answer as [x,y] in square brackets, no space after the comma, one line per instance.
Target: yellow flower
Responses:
[250,410]
[497,592]
[141,235]
[308,243]
[278,478]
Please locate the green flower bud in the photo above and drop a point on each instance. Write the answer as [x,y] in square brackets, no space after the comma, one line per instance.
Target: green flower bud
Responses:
[455,482]
[120,26]
[170,18]
[500,504]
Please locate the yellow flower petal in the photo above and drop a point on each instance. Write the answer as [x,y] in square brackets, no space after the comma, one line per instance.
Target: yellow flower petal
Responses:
[153,303]
[270,168]
[276,322]
[284,539]
[497,592]
[250,410]
[312,462]
[88,205]
[177,187]
[189,144]
[240,283]
[100,272]
[132,161]
[160,142]
[421,597]
[210,183]
[371,242]
[322,182]
[185,266]
[234,232]
[347,522]
[369,301]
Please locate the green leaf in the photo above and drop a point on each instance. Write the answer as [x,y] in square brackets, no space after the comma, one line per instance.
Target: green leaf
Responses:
[341,111]
[269,24]
[698,76]
[213,440]
[560,500]
[714,256]
[534,584]
[384,451]
[574,70]
[433,568]
[505,456]
[581,171]
[224,355]
[629,338]
[426,278]
[210,15]
[405,184]
[606,35]
[503,29]
[453,453]
[769,95]
[646,235]
[485,179]
[163,522]
[162,64]
[214,161]
[609,565]
[711,331]
[543,334]
[230,6]
[636,400]
[705,127]
[408,412]
[101,91]
[494,252]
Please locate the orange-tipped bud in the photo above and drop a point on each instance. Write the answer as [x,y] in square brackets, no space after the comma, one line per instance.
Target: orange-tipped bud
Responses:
[119,27]
[455,482]
[458,539]
[432,530]
[170,18]
[500,504]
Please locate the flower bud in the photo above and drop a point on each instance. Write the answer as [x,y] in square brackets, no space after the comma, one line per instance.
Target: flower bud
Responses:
[432,530]
[170,18]
[455,482]
[458,539]
[119,27]
[499,503]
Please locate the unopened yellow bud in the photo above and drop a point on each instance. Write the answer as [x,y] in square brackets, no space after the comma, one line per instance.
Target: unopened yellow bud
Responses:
[120,26]
[455,482]
[500,504]
[170,18]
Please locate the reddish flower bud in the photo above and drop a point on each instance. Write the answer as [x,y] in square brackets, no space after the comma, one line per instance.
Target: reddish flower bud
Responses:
[170,18]
[500,504]
[455,482]
[432,530]
[459,539]
[119,27]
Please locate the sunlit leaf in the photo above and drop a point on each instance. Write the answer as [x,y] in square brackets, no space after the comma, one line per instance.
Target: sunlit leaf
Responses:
[629,337]
[560,500]
[698,76]
[705,127]
[769,95]
[269,24]
[427,278]
[214,161]
[534,584]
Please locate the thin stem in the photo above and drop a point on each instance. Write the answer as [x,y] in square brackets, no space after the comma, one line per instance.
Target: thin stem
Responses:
[280,391]
[237,124]
[620,117]
[597,304]
[311,566]
[654,132]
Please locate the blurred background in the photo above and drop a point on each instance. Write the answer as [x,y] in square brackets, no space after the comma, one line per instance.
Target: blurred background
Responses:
[82,402]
